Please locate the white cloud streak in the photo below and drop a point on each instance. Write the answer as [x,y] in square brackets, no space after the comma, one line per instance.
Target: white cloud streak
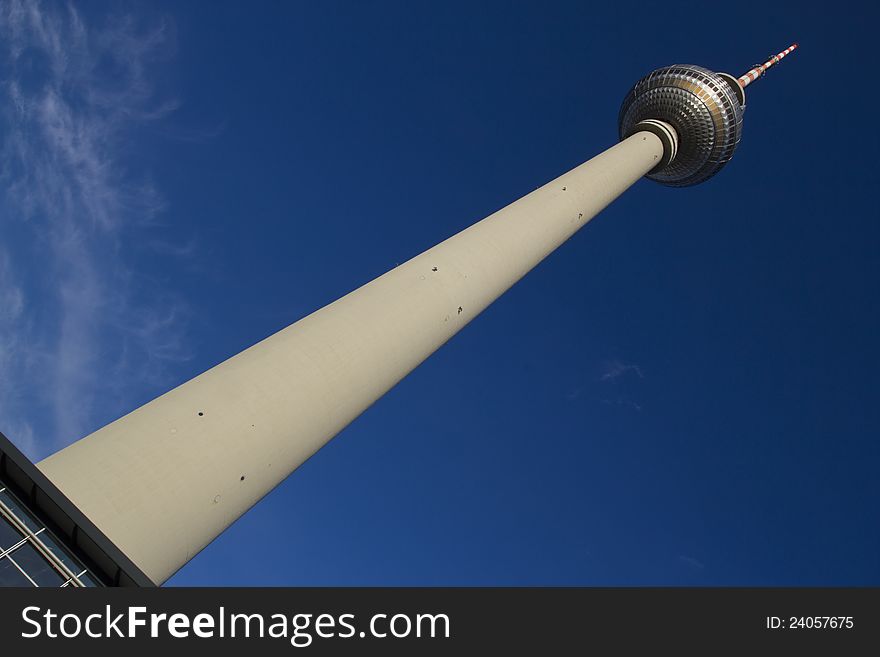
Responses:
[615,369]
[77,321]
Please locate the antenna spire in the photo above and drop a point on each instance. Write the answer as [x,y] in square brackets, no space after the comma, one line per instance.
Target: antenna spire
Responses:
[758,71]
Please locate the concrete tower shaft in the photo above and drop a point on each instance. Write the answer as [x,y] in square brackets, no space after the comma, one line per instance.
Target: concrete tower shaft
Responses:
[166,479]
[163,481]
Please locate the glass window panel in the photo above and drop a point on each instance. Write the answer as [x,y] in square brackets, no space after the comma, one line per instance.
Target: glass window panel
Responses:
[19,511]
[10,575]
[36,566]
[9,536]
[60,552]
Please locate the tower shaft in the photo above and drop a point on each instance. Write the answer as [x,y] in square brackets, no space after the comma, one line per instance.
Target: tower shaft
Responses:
[163,481]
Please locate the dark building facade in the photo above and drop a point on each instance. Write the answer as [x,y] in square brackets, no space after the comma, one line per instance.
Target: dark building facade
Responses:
[45,540]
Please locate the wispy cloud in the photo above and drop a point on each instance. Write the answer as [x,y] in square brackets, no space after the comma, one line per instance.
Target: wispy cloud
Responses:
[12,332]
[615,369]
[691,562]
[76,320]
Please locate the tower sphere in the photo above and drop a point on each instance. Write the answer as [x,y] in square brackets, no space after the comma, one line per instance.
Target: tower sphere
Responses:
[705,109]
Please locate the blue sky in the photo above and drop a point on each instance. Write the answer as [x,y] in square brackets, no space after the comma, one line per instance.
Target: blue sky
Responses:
[685,393]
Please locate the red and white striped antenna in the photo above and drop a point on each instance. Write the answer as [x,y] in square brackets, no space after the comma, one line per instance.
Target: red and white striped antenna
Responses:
[758,71]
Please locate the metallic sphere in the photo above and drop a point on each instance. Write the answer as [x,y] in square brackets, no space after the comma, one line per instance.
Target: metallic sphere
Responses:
[704,108]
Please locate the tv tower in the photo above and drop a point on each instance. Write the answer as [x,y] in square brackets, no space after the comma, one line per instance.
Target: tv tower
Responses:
[163,481]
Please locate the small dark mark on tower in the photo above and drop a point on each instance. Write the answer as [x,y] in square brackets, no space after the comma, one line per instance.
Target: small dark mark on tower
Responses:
[459,310]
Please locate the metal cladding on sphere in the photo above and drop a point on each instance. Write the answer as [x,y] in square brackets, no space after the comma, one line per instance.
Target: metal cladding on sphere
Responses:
[704,109]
